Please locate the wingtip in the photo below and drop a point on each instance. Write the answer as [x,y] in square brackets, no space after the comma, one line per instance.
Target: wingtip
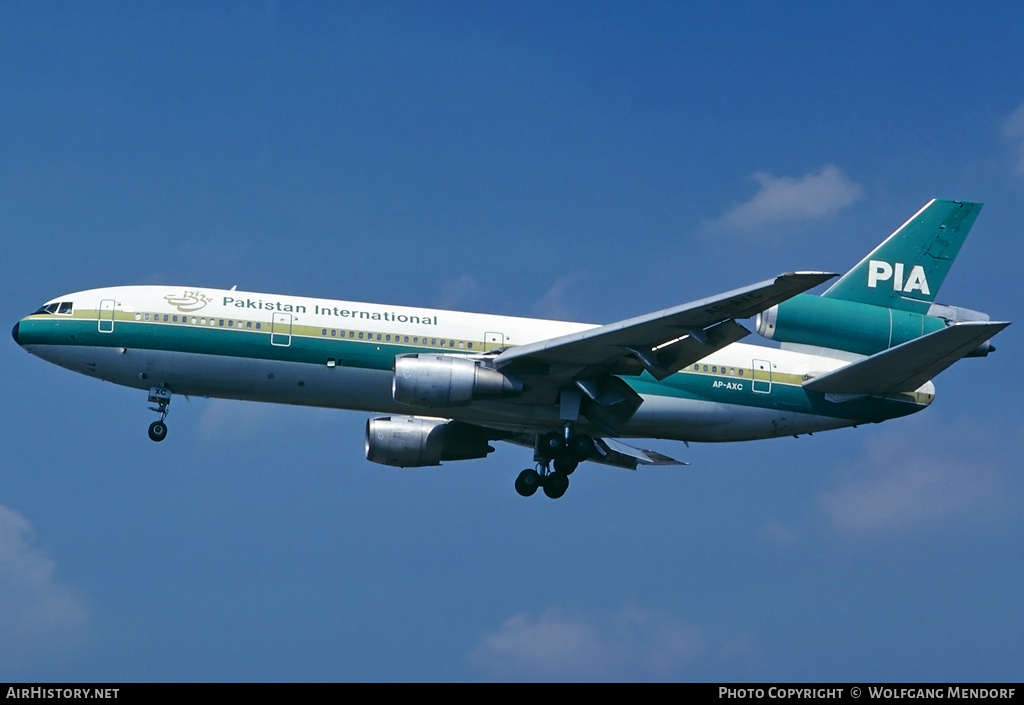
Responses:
[807,280]
[824,276]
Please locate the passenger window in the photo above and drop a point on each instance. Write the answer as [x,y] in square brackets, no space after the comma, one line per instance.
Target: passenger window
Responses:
[138,316]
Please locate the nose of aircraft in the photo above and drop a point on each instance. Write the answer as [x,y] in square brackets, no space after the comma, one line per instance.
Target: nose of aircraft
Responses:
[14,333]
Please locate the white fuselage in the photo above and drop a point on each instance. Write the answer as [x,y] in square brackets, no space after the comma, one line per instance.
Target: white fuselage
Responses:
[340,354]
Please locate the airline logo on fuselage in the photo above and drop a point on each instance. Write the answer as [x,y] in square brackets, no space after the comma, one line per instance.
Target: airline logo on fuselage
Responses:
[189,301]
[881,271]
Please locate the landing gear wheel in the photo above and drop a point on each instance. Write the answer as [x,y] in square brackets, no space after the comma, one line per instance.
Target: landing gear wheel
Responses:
[527,482]
[550,444]
[580,447]
[555,485]
[157,431]
[565,466]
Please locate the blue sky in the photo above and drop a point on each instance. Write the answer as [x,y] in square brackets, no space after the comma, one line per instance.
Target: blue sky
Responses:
[588,161]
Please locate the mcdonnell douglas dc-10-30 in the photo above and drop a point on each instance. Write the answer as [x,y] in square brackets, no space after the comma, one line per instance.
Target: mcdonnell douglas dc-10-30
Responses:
[449,383]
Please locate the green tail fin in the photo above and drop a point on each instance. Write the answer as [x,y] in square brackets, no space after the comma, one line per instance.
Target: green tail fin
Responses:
[906,271]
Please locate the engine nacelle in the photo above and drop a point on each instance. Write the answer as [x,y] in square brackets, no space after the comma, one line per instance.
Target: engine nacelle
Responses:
[448,380]
[411,442]
[843,325]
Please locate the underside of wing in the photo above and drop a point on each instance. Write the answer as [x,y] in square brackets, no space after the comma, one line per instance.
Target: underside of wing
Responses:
[617,453]
[609,451]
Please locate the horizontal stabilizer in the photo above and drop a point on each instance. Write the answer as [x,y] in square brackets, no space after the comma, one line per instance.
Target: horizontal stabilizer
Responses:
[906,367]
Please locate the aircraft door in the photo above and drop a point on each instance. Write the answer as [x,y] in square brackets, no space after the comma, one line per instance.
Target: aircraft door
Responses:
[106,321]
[281,329]
[761,379]
[493,341]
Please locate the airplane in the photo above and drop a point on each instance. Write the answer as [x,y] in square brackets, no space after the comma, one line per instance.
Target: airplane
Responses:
[451,382]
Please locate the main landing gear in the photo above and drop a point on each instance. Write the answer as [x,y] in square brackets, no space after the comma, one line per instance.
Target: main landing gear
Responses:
[161,396]
[564,451]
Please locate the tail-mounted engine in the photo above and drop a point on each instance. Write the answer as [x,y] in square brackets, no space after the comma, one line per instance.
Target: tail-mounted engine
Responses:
[410,442]
[854,326]
[448,380]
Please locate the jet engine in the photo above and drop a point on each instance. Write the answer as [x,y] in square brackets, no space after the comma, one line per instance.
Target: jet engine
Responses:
[843,325]
[448,380]
[412,442]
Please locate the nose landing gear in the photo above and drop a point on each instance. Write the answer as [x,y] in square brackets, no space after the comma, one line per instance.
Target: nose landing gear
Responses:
[161,396]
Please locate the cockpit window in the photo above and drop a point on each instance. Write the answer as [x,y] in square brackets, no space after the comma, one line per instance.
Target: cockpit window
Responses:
[62,308]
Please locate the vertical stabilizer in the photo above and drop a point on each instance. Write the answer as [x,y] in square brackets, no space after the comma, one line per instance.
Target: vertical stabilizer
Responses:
[906,271]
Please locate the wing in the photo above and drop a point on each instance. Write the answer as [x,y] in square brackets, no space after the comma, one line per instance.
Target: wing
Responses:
[579,370]
[646,339]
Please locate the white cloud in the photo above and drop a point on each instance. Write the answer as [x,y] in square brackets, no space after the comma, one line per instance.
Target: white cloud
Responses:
[903,482]
[1013,131]
[786,199]
[38,616]
[775,534]
[553,304]
[230,419]
[460,293]
[632,644]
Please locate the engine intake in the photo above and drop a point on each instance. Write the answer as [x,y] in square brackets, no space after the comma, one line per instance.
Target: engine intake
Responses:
[448,380]
[411,442]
